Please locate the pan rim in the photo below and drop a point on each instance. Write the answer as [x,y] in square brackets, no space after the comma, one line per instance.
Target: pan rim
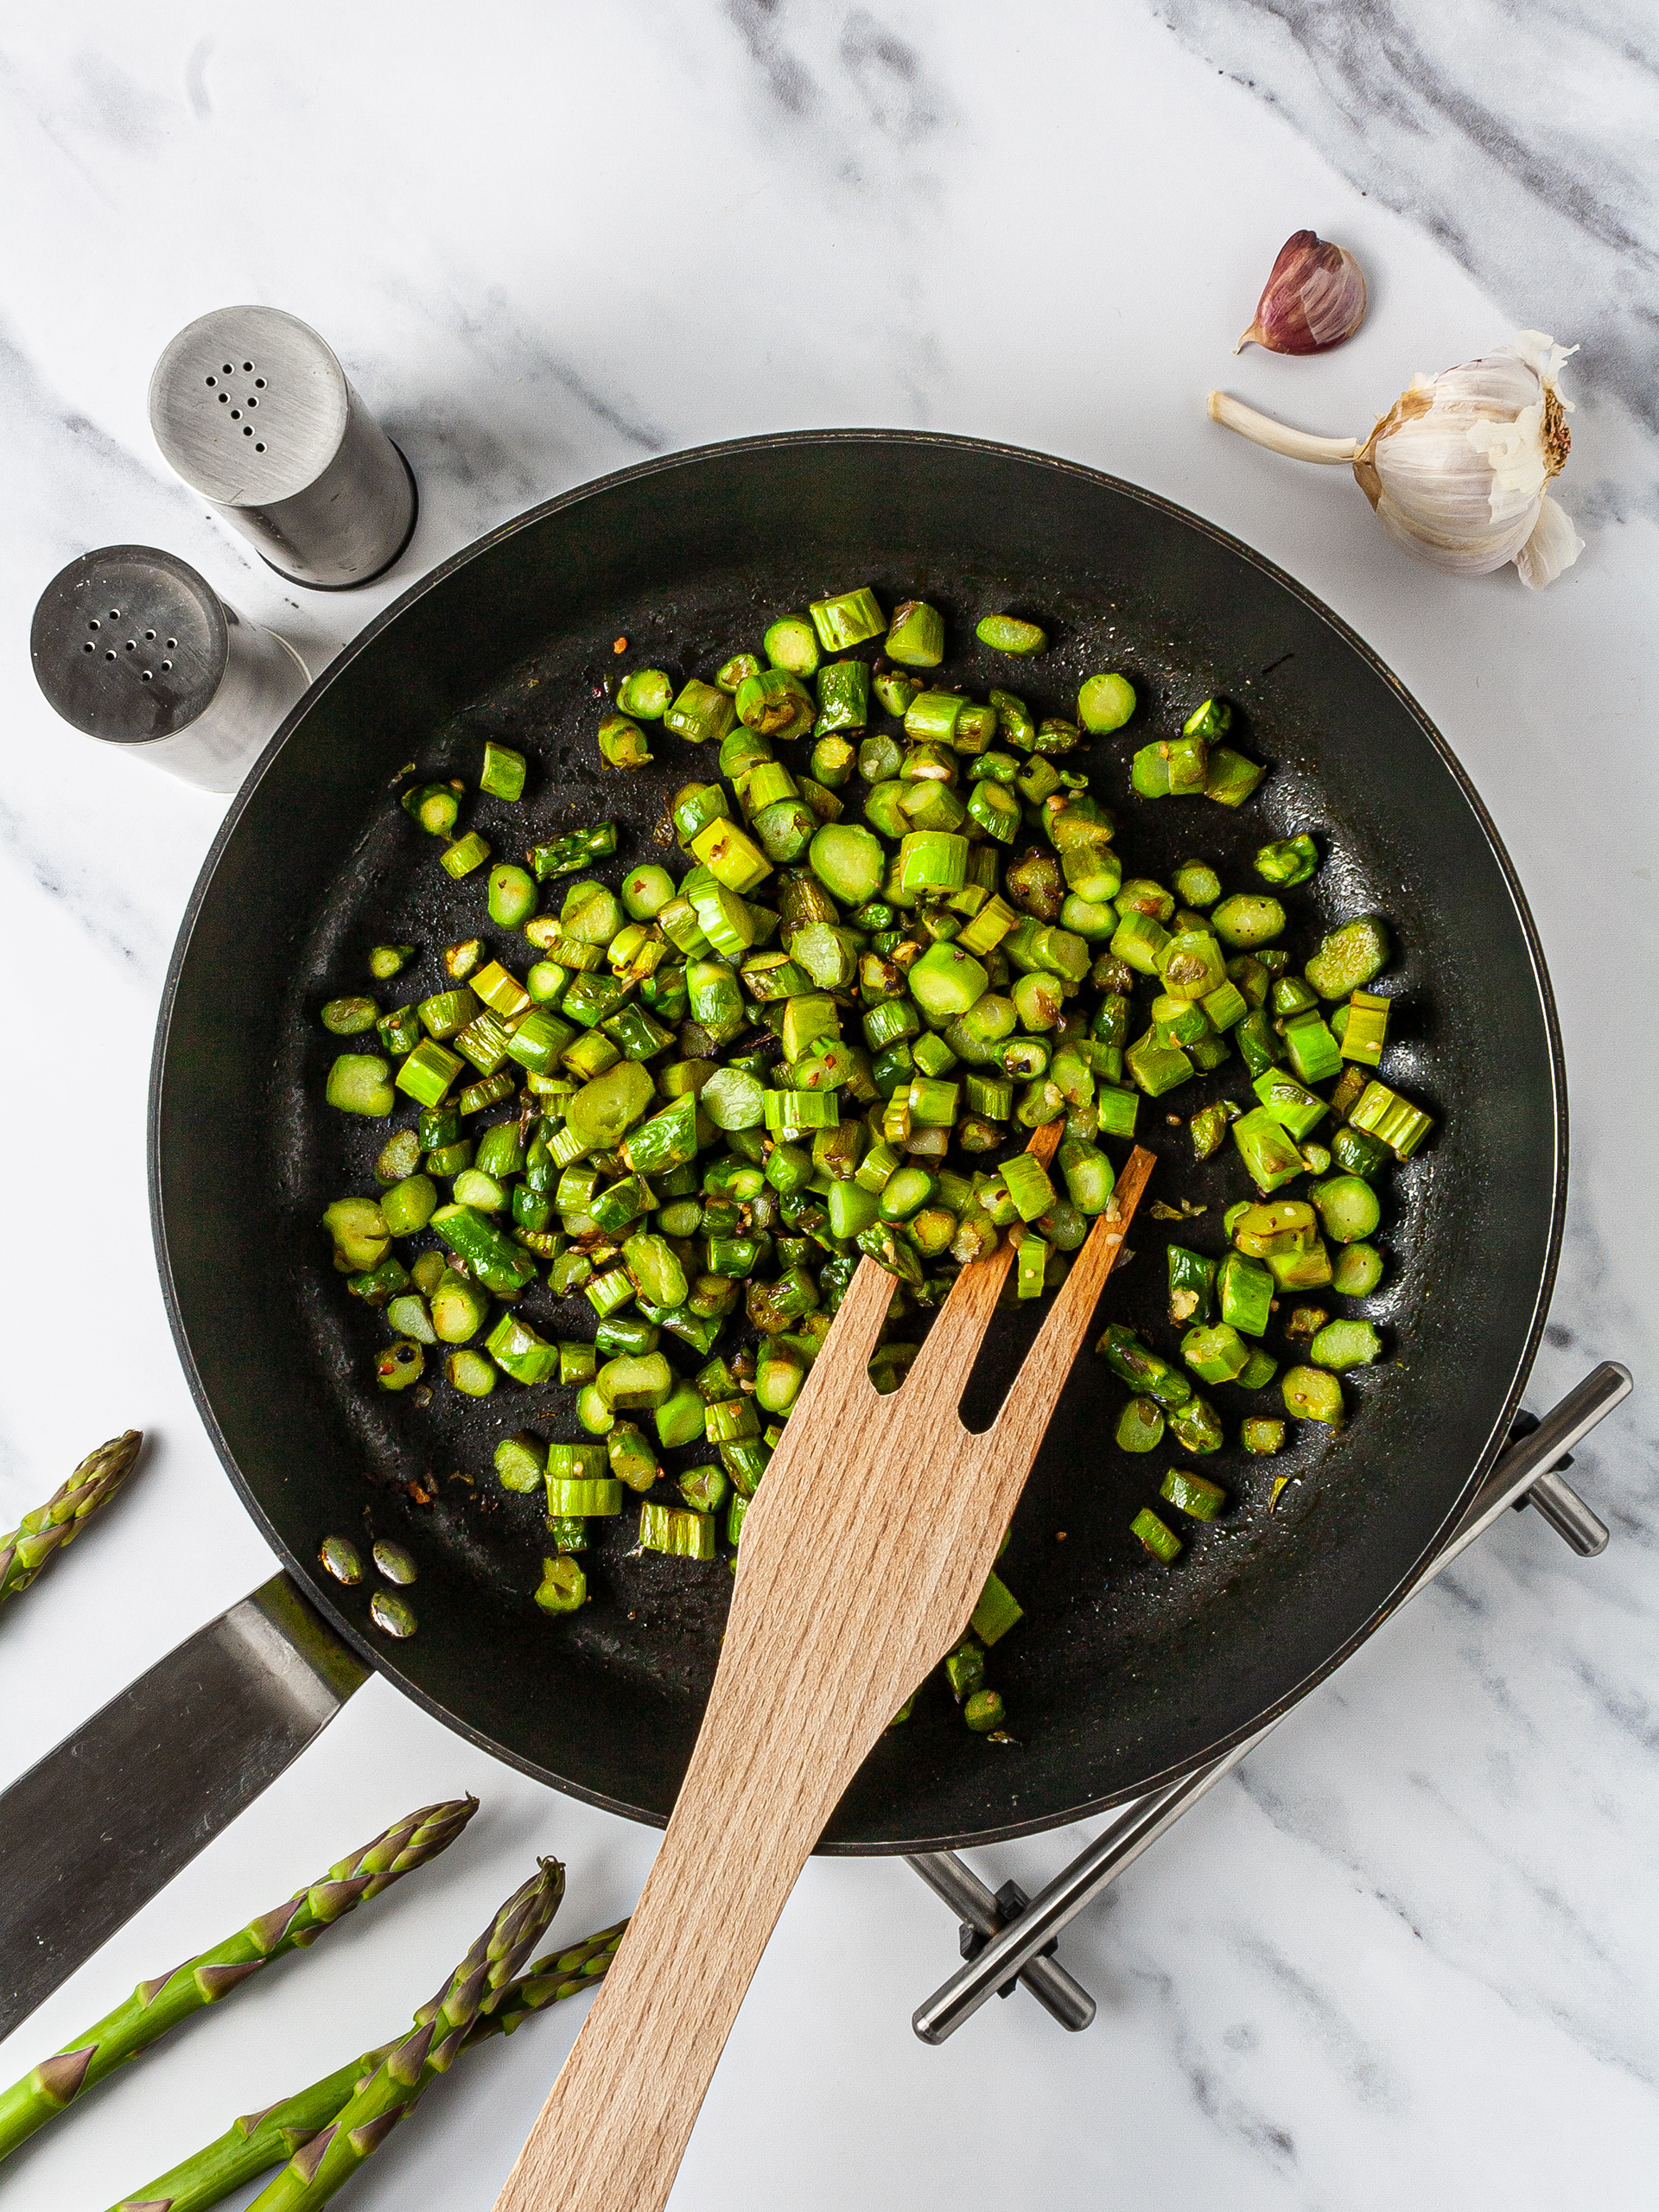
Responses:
[301,1570]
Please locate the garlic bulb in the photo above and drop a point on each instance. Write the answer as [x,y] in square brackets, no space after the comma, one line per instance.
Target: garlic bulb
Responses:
[1314,297]
[1458,470]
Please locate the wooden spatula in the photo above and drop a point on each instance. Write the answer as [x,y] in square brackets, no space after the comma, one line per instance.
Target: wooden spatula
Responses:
[863,1554]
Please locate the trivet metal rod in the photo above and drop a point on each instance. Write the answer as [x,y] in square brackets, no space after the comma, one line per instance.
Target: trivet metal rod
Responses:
[1519,1471]
[1121,1843]
[953,1879]
[1567,1514]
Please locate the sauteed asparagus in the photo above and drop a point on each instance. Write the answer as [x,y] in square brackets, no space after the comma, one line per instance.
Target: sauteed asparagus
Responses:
[901,938]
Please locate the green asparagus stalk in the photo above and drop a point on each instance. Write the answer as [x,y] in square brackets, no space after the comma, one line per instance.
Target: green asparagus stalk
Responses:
[548,1981]
[441,2030]
[59,1520]
[155,2006]
[251,2145]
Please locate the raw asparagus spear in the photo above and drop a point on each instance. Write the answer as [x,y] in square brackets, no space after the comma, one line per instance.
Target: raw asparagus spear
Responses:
[95,1481]
[547,1982]
[251,2145]
[155,2006]
[441,2028]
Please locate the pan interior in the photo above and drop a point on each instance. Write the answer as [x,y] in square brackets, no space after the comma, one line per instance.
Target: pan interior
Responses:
[1122,1670]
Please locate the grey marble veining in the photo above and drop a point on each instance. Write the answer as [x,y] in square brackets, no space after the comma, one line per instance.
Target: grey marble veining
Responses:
[1406,1953]
[130,939]
[1521,138]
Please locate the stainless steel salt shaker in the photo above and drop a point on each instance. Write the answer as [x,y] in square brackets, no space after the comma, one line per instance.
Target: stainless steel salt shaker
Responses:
[131,645]
[252,409]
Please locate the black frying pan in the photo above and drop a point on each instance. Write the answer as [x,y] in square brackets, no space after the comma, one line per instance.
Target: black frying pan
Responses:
[1123,1672]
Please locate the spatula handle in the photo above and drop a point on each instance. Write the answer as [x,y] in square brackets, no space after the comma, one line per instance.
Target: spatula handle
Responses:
[825,1639]
[767,1771]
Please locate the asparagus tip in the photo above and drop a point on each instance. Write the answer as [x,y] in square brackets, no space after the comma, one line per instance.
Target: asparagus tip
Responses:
[28,1546]
[110,1464]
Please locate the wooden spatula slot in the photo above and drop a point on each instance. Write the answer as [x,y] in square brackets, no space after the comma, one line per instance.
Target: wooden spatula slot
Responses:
[863,1554]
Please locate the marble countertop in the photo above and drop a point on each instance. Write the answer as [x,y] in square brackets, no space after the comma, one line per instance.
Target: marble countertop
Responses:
[1408,1952]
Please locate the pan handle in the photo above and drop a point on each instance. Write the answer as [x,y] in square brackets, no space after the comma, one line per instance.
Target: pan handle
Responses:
[104,1822]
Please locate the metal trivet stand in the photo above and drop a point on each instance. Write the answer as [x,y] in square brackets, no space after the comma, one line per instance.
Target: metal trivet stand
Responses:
[1010,1940]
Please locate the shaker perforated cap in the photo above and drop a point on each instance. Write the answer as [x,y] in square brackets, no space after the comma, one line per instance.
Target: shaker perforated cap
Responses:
[249,405]
[253,410]
[128,644]
[131,645]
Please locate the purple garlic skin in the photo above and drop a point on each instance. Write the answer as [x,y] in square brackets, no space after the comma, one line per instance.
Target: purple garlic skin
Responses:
[1314,297]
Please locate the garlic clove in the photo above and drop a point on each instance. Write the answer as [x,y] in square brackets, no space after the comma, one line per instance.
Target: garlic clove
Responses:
[1458,470]
[1553,546]
[1314,297]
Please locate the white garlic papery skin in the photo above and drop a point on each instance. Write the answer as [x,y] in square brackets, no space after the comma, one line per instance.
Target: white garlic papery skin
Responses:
[1458,468]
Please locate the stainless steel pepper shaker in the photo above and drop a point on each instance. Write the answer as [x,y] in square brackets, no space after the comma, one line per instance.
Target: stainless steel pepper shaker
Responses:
[130,644]
[252,409]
